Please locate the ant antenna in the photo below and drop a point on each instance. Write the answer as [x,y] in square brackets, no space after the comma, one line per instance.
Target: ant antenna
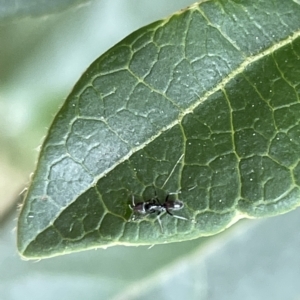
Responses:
[132,199]
[179,159]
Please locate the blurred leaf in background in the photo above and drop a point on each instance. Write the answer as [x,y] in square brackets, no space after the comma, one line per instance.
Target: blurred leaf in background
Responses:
[40,59]
[18,9]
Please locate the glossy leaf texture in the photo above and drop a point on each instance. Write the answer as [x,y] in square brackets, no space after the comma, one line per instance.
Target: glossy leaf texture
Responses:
[17,9]
[217,83]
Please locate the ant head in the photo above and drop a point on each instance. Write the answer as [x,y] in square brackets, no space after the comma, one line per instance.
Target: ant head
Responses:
[174,205]
[178,205]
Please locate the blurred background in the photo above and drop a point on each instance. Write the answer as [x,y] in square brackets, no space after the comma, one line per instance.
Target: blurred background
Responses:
[41,59]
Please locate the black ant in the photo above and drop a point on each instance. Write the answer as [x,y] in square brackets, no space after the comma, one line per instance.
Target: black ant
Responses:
[153,206]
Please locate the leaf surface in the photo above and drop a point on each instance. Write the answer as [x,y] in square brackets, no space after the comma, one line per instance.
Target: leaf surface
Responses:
[216,84]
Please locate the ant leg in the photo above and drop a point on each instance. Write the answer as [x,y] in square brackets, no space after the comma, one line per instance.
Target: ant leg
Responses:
[168,212]
[155,196]
[183,218]
[132,206]
[179,217]
[159,222]
[156,199]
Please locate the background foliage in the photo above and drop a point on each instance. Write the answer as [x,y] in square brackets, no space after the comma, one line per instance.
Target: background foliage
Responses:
[33,50]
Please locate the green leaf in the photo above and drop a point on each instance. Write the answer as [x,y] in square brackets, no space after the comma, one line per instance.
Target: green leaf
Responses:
[12,10]
[217,83]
